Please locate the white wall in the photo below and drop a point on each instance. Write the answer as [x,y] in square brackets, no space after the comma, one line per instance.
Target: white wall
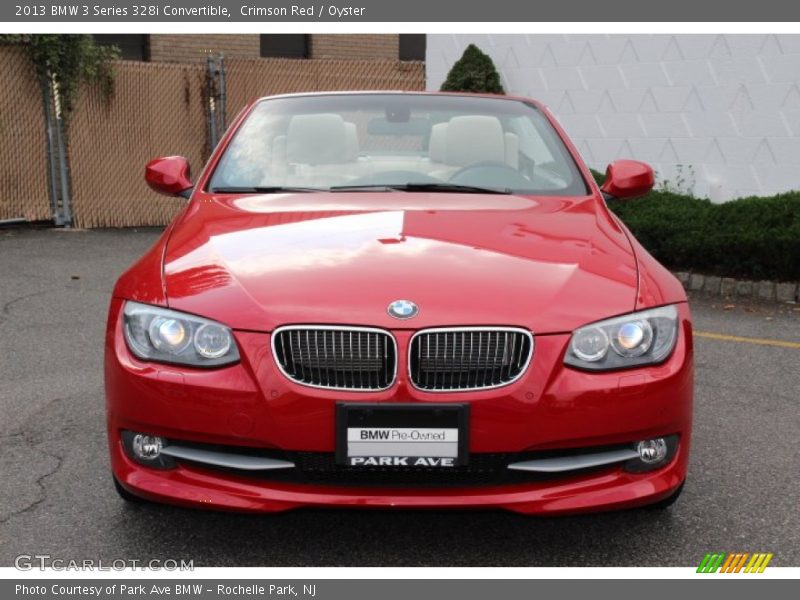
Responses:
[726,107]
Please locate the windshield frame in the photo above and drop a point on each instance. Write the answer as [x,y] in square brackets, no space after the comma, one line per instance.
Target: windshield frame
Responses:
[562,144]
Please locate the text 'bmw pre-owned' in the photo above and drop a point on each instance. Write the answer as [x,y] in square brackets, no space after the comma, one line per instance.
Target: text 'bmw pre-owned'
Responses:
[391,299]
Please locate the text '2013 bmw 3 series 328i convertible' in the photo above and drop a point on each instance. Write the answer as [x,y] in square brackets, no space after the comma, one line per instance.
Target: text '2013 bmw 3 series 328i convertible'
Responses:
[398,300]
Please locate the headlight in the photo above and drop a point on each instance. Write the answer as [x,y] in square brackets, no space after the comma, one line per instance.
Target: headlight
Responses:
[640,338]
[163,335]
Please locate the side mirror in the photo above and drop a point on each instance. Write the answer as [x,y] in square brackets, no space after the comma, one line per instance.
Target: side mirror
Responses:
[169,175]
[626,179]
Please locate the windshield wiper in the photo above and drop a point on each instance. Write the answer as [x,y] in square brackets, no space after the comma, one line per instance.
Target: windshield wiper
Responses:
[424,187]
[442,187]
[269,189]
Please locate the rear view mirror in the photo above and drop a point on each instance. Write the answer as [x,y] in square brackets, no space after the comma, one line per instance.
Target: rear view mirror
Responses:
[627,179]
[169,175]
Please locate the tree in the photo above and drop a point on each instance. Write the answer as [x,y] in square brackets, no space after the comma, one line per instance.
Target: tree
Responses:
[66,60]
[473,72]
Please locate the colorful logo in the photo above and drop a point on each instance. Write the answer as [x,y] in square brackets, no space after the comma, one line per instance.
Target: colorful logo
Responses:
[403,309]
[734,562]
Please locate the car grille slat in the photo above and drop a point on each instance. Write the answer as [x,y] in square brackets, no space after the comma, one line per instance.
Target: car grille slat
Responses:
[353,358]
[513,350]
[502,355]
[468,358]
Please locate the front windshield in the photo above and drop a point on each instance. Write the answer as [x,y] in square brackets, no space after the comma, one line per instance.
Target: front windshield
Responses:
[398,141]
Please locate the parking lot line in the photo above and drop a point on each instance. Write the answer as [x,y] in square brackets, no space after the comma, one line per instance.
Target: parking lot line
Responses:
[747,340]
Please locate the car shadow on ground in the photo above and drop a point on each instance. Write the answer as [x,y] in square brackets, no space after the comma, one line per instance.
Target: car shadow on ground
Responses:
[316,537]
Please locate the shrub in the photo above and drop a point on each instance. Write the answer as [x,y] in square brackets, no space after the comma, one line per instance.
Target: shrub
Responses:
[755,237]
[473,72]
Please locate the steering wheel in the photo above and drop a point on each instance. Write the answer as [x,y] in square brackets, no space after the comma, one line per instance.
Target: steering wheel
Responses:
[490,173]
[483,164]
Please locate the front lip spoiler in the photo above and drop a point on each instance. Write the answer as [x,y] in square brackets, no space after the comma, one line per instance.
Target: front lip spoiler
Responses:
[226,459]
[562,464]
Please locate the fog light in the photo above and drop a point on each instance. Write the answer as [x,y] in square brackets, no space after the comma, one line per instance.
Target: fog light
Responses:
[147,450]
[146,447]
[652,451]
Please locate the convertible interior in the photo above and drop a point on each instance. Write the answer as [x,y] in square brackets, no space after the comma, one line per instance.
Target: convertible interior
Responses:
[361,149]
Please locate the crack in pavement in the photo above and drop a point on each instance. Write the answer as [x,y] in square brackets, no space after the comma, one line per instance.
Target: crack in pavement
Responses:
[6,310]
[28,437]
[31,506]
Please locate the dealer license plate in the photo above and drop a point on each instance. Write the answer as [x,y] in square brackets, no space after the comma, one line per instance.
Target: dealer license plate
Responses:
[401,435]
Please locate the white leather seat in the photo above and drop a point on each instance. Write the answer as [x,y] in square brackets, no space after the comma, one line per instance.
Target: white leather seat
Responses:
[474,139]
[512,150]
[468,140]
[316,148]
[437,145]
[316,139]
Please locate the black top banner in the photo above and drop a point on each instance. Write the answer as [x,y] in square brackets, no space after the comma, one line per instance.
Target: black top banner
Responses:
[107,11]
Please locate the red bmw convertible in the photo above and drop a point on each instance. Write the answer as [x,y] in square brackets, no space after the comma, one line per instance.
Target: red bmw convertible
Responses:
[389,299]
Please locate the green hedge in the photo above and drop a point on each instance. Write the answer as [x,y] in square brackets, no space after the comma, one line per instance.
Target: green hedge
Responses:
[754,238]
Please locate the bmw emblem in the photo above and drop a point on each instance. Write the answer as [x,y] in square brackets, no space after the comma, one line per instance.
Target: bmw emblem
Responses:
[403,309]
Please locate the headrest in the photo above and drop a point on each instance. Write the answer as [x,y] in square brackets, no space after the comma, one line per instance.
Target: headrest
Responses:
[437,146]
[316,139]
[473,139]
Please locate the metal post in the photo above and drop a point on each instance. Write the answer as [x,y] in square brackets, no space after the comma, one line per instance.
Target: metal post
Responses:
[223,97]
[62,157]
[47,100]
[212,112]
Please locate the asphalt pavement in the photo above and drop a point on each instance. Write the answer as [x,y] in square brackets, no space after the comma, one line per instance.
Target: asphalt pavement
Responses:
[56,495]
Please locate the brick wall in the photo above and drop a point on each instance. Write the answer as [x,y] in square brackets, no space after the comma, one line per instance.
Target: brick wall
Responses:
[193,48]
[366,46]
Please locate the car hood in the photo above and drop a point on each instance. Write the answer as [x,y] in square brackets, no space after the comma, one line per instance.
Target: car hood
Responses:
[258,262]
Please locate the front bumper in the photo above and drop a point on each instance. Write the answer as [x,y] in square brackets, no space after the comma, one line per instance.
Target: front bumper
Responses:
[252,405]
